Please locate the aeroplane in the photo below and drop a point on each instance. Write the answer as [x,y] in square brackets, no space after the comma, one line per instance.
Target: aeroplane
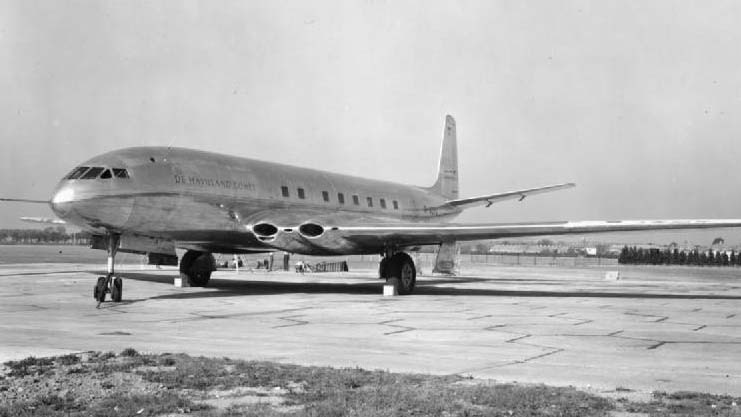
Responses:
[152,200]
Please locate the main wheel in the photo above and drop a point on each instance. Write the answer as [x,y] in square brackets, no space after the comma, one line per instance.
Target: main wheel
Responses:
[117,290]
[196,267]
[383,268]
[401,266]
[100,290]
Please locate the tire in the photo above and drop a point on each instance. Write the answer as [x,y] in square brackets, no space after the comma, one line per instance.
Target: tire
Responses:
[401,266]
[383,272]
[196,267]
[117,290]
[100,289]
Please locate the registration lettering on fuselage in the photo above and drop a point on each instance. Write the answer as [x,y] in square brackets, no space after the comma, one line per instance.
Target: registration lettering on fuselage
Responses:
[213,182]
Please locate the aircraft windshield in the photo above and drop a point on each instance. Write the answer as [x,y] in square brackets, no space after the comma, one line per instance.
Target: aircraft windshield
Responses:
[120,173]
[88,173]
[76,173]
[92,173]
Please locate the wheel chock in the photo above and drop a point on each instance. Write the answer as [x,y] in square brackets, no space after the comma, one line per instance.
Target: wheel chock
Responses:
[391,288]
[181,283]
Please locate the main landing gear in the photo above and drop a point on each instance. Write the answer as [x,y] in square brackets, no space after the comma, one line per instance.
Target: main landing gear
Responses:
[109,283]
[196,267]
[399,266]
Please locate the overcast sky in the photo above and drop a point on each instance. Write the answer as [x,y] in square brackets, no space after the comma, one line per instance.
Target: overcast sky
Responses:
[637,102]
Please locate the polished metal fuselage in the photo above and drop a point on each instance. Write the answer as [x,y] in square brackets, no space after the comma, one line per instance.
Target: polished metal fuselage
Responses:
[210,202]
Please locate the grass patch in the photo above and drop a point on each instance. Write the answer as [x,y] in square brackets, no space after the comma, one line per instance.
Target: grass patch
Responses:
[46,405]
[130,352]
[125,404]
[70,359]
[338,392]
[686,403]
[175,383]
[29,366]
[119,403]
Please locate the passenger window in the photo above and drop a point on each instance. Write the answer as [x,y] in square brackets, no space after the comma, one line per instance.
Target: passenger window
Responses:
[341,198]
[383,203]
[325,195]
[77,172]
[396,205]
[301,194]
[284,190]
[106,174]
[120,173]
[355,200]
[92,173]
[370,201]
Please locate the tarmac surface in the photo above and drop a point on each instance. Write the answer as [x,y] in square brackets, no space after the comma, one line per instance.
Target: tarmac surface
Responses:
[657,328]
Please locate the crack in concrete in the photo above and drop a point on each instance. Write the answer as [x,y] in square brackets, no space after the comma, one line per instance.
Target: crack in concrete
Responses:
[293,320]
[578,321]
[556,350]
[518,341]
[389,324]
[657,345]
[660,318]
[206,316]
[518,338]
[480,317]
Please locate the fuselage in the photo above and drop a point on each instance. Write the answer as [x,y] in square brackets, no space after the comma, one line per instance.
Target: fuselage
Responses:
[224,203]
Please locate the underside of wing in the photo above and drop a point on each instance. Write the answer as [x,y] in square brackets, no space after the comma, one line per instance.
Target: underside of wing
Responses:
[45,220]
[373,238]
[509,195]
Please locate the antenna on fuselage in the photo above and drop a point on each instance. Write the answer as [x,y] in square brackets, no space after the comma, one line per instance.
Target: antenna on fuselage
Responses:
[169,148]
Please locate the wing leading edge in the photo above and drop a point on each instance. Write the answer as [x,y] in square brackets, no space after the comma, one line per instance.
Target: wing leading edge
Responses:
[418,234]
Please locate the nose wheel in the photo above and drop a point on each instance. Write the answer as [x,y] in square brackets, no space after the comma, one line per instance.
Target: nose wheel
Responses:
[109,283]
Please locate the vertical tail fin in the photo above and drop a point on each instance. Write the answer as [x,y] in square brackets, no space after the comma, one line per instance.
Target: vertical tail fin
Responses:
[447,174]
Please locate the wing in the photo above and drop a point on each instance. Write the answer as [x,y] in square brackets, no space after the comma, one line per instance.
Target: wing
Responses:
[24,200]
[335,239]
[509,195]
[46,220]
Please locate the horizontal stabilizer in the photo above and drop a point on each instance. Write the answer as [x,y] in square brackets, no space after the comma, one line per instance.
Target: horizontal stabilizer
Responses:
[488,200]
[46,220]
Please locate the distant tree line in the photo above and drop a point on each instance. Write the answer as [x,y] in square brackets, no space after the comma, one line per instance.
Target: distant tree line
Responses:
[641,256]
[49,235]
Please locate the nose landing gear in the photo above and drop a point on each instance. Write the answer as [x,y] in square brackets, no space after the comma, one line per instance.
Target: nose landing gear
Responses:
[109,283]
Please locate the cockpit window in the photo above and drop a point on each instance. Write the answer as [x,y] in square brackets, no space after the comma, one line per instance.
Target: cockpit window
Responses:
[106,174]
[92,173]
[76,173]
[120,173]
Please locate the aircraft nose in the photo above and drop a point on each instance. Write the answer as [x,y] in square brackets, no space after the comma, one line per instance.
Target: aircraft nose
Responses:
[62,200]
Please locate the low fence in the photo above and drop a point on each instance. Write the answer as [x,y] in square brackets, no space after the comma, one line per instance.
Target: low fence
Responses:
[330,267]
[425,261]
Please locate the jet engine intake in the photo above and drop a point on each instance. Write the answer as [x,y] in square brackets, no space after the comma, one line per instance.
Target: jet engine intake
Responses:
[311,230]
[265,230]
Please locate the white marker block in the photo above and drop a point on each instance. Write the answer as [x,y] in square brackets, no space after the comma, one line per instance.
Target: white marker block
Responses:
[391,288]
[612,276]
[181,283]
